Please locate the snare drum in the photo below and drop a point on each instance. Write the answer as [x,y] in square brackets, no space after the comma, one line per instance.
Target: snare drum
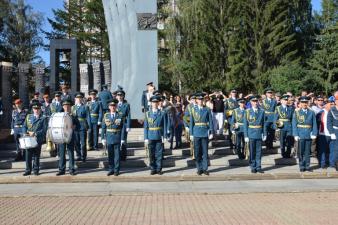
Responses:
[60,128]
[28,142]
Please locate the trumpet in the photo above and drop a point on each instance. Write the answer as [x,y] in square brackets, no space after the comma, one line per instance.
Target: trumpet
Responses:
[225,126]
[228,113]
[279,123]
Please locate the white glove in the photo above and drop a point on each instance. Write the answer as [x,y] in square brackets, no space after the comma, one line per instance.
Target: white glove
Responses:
[187,129]
[211,136]
[99,123]
[263,138]
[128,130]
[234,132]
[333,137]
[246,139]
[296,138]
[122,142]
[12,131]
[104,142]
[313,137]
[1,112]
[146,141]
[191,138]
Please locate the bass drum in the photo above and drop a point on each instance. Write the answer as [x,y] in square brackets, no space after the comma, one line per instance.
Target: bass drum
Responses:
[60,128]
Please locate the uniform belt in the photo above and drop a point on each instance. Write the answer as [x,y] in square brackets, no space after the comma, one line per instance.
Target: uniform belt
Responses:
[267,112]
[18,126]
[155,128]
[334,127]
[284,120]
[240,124]
[201,124]
[94,114]
[113,130]
[255,127]
[81,119]
[304,126]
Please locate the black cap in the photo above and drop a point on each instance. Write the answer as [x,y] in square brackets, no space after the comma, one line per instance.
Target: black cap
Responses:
[36,105]
[285,97]
[200,95]
[155,98]
[67,102]
[64,83]
[253,98]
[113,102]
[36,93]
[304,99]
[319,97]
[150,83]
[233,91]
[79,95]
[93,92]
[241,100]
[120,91]
[58,93]
[268,90]
[104,86]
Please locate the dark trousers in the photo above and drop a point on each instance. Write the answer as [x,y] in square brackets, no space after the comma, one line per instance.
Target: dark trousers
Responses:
[80,144]
[124,148]
[201,153]
[17,135]
[304,149]
[155,154]
[255,146]
[94,136]
[285,143]
[270,135]
[33,154]
[62,157]
[178,135]
[114,157]
[230,134]
[240,144]
[326,154]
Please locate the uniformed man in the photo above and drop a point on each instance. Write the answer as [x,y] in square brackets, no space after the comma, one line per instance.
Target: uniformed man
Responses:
[154,133]
[18,119]
[65,91]
[304,129]
[95,109]
[81,112]
[332,126]
[237,127]
[230,104]
[35,98]
[269,105]
[69,147]
[112,134]
[56,105]
[283,123]
[45,108]
[186,120]
[146,95]
[35,126]
[105,96]
[201,130]
[254,133]
[124,110]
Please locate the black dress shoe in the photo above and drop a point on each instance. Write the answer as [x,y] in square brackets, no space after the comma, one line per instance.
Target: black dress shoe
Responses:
[153,172]
[253,171]
[301,170]
[206,173]
[60,173]
[18,158]
[78,159]
[309,170]
[160,172]
[116,174]
[260,171]
[199,172]
[72,173]
[84,160]
[26,174]
[110,173]
[36,173]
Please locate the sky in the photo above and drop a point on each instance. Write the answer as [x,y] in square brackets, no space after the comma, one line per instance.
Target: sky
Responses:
[46,6]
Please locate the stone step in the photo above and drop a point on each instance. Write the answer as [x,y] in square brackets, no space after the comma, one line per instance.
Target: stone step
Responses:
[170,161]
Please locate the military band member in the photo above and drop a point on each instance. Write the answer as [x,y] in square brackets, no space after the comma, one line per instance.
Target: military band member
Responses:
[304,129]
[35,126]
[201,130]
[254,133]
[146,95]
[81,112]
[154,132]
[237,127]
[230,104]
[56,105]
[269,105]
[95,109]
[105,96]
[69,147]
[124,110]
[283,122]
[65,88]
[186,120]
[46,106]
[18,119]
[112,134]
[332,126]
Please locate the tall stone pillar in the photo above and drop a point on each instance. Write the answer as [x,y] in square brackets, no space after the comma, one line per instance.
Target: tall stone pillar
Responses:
[6,69]
[39,72]
[23,69]
[84,79]
[97,75]
[107,73]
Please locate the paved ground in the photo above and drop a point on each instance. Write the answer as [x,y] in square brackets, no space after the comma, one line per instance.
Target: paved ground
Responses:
[165,208]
